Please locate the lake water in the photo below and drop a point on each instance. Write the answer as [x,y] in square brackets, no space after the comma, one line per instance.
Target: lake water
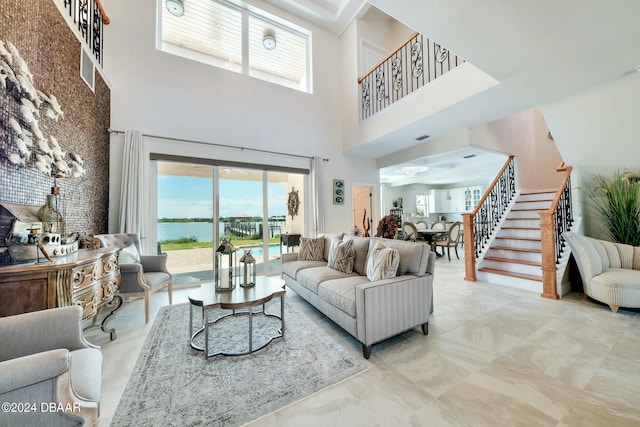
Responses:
[203,231]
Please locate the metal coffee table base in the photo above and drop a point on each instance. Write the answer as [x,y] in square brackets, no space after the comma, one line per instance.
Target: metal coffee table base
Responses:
[206,324]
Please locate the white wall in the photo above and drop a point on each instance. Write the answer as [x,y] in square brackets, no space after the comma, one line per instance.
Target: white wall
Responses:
[165,95]
[597,132]
[524,135]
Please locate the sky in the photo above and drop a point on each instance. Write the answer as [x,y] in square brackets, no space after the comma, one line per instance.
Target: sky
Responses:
[191,197]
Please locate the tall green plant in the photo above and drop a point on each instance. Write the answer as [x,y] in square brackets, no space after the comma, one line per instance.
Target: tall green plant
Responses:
[617,202]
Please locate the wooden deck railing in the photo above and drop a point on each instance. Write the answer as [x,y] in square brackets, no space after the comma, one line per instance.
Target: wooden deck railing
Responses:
[480,224]
[553,223]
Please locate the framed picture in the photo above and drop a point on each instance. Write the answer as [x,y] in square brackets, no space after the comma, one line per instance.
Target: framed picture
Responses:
[338,192]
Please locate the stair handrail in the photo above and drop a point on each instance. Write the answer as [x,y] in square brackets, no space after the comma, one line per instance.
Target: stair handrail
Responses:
[480,224]
[553,222]
[386,58]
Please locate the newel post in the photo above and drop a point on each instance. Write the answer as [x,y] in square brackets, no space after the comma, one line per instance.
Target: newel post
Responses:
[549,269]
[469,248]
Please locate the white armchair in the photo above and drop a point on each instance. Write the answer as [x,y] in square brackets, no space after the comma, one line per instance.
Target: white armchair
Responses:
[140,278]
[46,362]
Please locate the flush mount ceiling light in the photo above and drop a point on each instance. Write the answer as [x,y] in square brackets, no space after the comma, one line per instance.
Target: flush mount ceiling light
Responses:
[269,41]
[412,170]
[176,7]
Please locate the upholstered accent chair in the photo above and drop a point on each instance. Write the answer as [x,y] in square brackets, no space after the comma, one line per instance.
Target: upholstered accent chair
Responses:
[610,272]
[143,276]
[449,240]
[45,360]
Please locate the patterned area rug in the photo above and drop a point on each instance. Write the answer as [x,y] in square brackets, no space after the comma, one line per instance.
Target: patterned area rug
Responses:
[173,385]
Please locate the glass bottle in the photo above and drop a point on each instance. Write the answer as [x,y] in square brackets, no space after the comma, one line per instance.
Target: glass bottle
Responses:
[50,216]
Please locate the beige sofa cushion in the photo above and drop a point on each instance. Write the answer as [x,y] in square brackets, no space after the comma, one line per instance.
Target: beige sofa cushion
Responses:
[414,256]
[311,249]
[382,263]
[327,242]
[341,256]
[341,293]
[291,268]
[361,248]
[310,278]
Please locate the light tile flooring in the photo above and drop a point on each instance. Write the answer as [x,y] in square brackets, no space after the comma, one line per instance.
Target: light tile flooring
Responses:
[495,356]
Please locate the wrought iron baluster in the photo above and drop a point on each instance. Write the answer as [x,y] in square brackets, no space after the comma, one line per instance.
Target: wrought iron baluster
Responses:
[96,33]
[405,70]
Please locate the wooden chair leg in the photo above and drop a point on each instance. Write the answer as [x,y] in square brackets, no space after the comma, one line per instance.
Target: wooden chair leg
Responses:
[448,252]
[457,256]
[147,297]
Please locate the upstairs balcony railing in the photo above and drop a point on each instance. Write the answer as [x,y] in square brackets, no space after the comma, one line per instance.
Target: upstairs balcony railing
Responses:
[480,224]
[90,17]
[414,64]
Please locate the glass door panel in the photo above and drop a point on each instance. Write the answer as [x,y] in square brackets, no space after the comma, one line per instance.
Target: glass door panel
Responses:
[185,220]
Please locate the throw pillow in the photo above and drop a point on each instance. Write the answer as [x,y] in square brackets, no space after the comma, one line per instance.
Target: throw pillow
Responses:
[311,249]
[129,255]
[382,262]
[341,256]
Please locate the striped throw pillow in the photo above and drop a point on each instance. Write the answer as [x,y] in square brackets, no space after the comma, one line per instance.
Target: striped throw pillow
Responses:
[382,262]
[341,256]
[311,249]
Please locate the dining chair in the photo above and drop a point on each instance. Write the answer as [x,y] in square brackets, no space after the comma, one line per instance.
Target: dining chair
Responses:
[450,240]
[439,225]
[410,232]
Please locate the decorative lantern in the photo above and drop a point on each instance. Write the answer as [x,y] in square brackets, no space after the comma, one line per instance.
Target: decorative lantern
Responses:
[248,268]
[225,266]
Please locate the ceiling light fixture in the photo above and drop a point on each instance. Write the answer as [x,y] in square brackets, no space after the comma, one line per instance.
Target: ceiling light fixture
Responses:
[176,7]
[269,41]
[423,137]
[411,170]
[469,156]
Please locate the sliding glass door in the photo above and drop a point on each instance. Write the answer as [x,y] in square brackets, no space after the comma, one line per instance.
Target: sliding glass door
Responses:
[200,204]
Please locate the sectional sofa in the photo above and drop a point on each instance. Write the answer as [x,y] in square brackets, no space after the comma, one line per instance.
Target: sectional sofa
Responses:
[371,311]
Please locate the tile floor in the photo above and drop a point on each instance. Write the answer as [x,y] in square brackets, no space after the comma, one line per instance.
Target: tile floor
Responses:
[495,356]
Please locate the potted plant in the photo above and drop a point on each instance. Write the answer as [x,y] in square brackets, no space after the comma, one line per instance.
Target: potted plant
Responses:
[387,227]
[617,203]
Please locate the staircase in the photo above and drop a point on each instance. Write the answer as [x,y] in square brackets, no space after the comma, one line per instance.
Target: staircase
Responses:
[514,257]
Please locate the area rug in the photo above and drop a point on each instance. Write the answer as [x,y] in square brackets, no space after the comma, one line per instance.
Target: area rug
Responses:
[174,385]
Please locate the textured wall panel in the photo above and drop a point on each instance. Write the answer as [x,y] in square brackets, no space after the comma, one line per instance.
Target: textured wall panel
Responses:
[52,54]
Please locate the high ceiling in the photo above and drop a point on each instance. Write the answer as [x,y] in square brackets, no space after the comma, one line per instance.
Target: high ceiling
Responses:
[539,51]
[332,15]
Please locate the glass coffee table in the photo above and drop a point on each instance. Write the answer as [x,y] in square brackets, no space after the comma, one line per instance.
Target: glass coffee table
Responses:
[241,301]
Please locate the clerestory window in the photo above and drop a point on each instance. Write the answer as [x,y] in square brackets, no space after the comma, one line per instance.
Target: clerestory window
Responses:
[239,38]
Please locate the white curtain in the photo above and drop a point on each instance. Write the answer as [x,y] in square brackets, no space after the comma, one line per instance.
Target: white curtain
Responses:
[317,196]
[130,219]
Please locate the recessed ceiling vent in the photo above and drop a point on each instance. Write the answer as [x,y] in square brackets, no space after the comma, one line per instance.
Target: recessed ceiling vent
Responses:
[421,138]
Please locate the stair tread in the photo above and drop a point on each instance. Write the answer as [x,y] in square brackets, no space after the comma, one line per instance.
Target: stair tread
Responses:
[520,238]
[520,228]
[522,219]
[509,248]
[511,273]
[513,261]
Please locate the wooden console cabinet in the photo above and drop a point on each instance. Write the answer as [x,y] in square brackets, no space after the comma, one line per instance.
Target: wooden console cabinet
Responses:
[88,278]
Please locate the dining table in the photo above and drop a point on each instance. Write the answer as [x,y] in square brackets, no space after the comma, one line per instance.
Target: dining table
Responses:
[430,235]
